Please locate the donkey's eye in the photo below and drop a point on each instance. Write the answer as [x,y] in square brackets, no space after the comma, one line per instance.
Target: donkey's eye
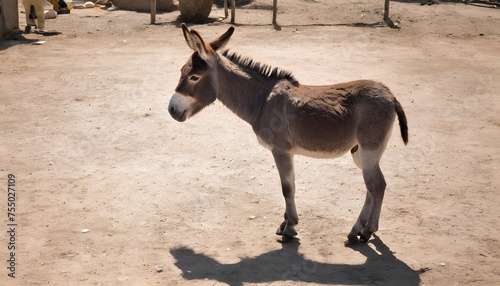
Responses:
[194,78]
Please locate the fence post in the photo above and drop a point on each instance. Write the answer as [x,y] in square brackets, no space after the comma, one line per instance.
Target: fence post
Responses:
[153,11]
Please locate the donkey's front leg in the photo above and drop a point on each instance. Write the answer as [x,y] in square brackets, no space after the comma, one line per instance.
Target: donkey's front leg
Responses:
[284,164]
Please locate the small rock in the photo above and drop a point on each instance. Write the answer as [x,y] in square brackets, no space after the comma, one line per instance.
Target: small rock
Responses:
[251,217]
[423,270]
[50,14]
[158,269]
[85,230]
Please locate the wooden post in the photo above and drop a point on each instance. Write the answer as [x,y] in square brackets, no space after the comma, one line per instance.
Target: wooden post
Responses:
[1,20]
[153,11]
[225,8]
[275,8]
[233,7]
[386,10]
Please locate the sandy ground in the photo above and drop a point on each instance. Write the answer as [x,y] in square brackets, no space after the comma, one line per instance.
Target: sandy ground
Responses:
[87,135]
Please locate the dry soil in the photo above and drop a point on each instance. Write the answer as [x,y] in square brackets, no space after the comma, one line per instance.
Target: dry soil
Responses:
[86,132]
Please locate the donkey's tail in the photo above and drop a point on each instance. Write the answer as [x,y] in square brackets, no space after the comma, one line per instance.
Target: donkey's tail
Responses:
[403,124]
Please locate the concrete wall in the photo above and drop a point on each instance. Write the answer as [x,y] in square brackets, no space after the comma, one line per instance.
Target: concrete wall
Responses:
[9,16]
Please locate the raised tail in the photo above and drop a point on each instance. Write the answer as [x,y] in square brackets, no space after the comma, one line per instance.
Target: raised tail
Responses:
[403,124]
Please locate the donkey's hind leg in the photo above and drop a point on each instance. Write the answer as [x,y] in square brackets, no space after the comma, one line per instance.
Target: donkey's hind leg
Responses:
[367,222]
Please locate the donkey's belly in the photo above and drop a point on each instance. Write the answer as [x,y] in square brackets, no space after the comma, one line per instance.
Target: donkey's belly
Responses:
[318,141]
[308,153]
[319,154]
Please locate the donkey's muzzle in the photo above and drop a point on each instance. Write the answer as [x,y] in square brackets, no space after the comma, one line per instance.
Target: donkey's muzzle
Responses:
[176,114]
[177,107]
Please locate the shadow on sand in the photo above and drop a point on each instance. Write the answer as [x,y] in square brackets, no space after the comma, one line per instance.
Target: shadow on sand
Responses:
[287,264]
[17,38]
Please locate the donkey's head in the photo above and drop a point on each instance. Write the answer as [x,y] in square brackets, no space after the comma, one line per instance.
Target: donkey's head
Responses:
[198,85]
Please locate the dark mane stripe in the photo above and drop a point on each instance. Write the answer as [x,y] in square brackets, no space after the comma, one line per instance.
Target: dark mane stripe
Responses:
[263,69]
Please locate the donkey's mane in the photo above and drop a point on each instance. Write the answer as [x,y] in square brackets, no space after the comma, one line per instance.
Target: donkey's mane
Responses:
[263,69]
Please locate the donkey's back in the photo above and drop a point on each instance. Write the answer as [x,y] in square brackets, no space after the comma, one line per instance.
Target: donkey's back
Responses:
[327,121]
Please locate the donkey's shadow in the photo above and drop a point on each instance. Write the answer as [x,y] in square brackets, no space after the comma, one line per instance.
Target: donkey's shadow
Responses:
[287,264]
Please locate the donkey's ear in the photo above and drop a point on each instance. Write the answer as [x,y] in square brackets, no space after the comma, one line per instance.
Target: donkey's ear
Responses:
[196,43]
[222,40]
[205,51]
[187,36]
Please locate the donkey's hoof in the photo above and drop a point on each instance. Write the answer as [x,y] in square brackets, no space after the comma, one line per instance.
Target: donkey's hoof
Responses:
[286,230]
[289,232]
[352,239]
[288,236]
[365,236]
[280,229]
[286,239]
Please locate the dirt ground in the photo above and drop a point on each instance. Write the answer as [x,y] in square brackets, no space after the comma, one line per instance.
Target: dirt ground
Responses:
[86,132]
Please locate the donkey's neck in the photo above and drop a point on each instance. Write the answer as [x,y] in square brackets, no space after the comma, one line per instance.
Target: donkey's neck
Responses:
[242,91]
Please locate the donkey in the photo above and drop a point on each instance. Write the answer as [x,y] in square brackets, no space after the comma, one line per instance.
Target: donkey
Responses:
[292,119]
